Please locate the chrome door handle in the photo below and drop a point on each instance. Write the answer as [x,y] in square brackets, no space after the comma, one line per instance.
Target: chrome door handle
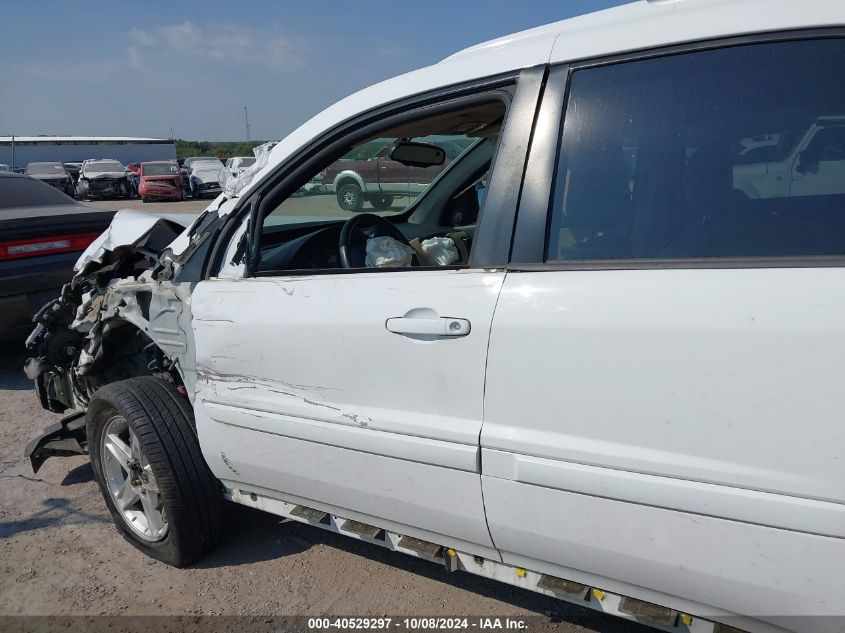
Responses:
[443,326]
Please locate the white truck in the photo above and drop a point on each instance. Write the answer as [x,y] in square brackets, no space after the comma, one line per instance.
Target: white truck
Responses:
[624,389]
[814,165]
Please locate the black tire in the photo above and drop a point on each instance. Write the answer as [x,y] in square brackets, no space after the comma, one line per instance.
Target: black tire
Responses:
[350,197]
[163,423]
[145,200]
[382,203]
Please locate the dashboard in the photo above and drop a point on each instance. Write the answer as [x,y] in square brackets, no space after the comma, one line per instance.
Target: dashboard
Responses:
[317,247]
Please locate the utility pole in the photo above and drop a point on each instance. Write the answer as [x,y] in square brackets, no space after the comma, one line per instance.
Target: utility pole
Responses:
[246,119]
[13,152]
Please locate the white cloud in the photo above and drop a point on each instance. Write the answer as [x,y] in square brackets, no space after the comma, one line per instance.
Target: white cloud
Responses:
[234,43]
[142,37]
[135,58]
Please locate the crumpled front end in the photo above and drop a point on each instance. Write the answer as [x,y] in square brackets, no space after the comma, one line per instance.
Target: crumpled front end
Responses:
[160,188]
[103,186]
[125,313]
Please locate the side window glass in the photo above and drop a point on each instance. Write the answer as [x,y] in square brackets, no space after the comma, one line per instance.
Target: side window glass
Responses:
[366,179]
[438,163]
[736,152]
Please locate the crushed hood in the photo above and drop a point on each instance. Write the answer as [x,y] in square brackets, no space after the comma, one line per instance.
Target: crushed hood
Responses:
[207,174]
[130,228]
[97,175]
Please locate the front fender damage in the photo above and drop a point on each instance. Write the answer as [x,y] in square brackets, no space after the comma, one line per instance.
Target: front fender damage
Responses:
[125,313]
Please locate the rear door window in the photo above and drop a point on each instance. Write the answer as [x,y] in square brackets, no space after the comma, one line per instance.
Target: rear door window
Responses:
[734,152]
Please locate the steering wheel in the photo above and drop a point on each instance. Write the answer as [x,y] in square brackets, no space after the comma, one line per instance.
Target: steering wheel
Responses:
[357,230]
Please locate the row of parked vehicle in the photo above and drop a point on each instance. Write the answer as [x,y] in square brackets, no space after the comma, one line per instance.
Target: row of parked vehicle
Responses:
[195,177]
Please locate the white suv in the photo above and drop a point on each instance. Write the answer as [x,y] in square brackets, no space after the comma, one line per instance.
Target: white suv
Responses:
[581,360]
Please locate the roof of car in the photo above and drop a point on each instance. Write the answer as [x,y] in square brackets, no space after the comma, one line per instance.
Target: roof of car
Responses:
[644,24]
[653,23]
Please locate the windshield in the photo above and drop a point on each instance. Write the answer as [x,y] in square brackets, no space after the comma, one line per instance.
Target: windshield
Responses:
[41,169]
[160,169]
[27,192]
[102,166]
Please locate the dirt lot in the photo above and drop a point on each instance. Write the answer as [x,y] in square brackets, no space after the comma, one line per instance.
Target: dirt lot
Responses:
[60,554]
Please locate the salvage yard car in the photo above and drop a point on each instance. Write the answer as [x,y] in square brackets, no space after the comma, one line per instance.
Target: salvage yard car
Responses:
[102,179]
[616,379]
[204,177]
[42,234]
[160,180]
[379,180]
[53,174]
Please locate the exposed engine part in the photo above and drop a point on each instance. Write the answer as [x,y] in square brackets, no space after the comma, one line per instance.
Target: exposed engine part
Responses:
[118,317]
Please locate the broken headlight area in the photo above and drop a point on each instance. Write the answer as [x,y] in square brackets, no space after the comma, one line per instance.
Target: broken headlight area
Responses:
[98,329]
[121,316]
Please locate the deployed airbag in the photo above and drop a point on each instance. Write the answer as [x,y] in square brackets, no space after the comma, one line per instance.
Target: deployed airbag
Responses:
[387,252]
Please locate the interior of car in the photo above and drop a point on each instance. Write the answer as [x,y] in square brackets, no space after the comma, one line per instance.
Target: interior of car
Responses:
[426,192]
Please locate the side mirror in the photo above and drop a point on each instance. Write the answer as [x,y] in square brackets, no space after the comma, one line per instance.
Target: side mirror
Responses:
[417,154]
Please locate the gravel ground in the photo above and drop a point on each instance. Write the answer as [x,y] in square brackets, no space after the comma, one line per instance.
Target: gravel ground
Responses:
[61,556]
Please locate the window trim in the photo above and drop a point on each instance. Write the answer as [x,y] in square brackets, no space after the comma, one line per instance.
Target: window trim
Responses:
[541,182]
[526,85]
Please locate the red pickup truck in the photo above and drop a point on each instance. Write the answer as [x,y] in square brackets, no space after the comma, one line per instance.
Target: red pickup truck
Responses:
[378,180]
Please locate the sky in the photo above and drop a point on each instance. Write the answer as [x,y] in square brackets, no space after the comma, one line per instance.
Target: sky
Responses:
[156,68]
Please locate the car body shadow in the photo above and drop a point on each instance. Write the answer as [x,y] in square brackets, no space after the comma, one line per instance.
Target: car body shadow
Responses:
[253,536]
[82,474]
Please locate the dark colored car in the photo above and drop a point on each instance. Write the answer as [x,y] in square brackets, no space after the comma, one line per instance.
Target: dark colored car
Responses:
[73,171]
[53,173]
[160,180]
[42,233]
[133,174]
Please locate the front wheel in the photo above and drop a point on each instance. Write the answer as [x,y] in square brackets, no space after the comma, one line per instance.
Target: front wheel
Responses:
[350,197]
[381,203]
[147,460]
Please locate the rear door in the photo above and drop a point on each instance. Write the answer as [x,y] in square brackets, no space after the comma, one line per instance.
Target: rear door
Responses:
[664,396]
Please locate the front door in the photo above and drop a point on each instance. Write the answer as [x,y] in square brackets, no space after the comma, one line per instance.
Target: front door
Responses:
[322,388]
[357,390]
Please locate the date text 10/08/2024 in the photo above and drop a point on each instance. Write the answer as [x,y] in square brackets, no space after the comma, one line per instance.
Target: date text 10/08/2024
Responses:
[418,623]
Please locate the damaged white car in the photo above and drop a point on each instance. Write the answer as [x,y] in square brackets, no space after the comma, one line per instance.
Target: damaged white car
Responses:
[578,360]
[102,179]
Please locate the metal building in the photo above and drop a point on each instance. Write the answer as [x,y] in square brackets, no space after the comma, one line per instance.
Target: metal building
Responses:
[20,150]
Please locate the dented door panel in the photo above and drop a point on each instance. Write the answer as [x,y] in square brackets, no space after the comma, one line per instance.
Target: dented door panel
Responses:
[303,390]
